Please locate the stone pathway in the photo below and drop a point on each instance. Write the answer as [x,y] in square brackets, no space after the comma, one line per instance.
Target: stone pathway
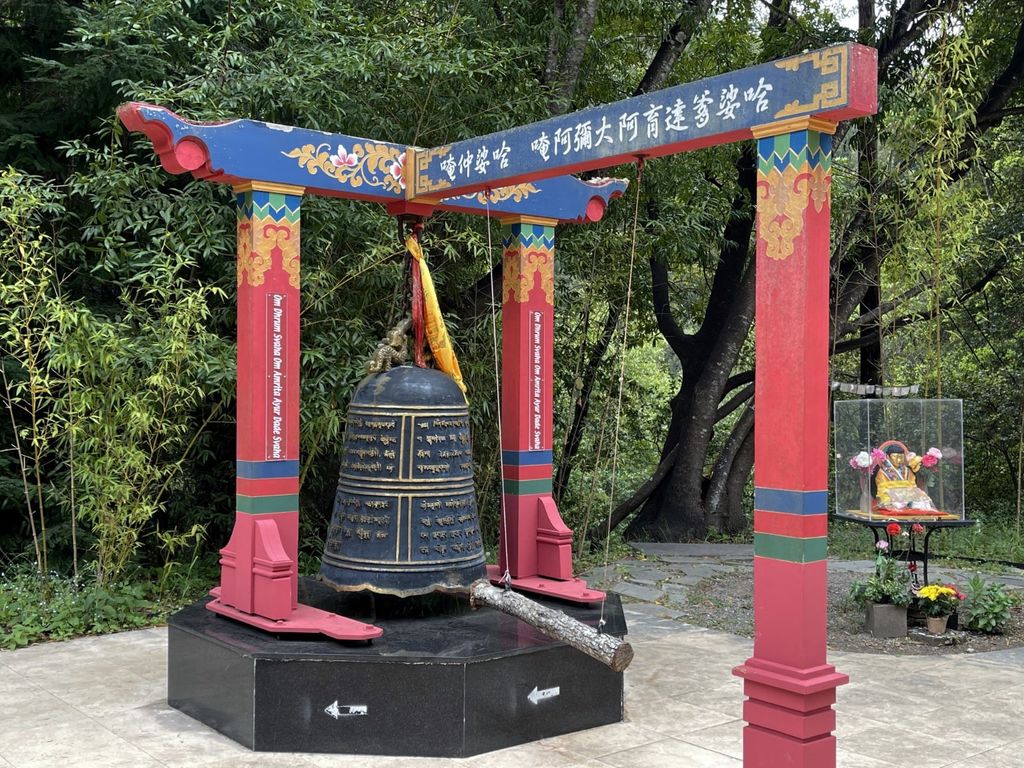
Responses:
[100,701]
[650,586]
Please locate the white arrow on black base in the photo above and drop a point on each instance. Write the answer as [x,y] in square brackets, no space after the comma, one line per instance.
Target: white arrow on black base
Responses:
[538,695]
[346,710]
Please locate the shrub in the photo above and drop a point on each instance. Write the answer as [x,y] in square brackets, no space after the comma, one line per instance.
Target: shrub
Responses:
[987,608]
[890,583]
[55,608]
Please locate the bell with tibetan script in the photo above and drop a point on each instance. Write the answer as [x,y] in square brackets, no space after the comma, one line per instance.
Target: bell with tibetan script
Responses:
[405,519]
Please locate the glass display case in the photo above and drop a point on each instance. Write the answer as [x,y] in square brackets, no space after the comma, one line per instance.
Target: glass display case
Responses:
[899,459]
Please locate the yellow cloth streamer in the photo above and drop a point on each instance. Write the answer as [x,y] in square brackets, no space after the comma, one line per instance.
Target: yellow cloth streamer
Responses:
[437,332]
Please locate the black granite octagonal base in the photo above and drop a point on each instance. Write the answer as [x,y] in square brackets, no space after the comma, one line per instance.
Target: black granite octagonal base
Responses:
[443,681]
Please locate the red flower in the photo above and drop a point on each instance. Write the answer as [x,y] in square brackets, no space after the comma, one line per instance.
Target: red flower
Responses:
[917,528]
[912,566]
[893,529]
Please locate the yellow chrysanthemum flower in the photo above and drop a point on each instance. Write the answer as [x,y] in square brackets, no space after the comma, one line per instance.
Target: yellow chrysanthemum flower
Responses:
[934,592]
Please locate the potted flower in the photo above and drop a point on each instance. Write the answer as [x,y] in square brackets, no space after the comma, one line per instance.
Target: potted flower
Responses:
[885,596]
[939,602]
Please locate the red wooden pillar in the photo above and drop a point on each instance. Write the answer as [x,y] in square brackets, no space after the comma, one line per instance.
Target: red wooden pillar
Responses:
[536,545]
[259,564]
[790,686]
[259,572]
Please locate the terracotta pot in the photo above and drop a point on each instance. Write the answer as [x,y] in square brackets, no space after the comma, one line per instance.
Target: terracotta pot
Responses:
[937,625]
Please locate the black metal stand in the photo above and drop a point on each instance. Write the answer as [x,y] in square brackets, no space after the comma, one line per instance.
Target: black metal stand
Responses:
[930,526]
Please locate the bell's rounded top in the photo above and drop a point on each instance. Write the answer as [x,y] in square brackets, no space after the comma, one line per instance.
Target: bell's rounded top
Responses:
[409,385]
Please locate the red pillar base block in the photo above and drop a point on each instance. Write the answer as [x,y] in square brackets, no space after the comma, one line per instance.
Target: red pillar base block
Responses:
[789,715]
[258,578]
[304,620]
[768,749]
[554,541]
[573,590]
[258,572]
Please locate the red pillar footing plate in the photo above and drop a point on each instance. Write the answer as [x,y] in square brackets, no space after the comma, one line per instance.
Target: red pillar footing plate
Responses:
[304,620]
[573,590]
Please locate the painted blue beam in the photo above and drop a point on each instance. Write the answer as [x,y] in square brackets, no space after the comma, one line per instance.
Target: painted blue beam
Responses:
[831,84]
[338,165]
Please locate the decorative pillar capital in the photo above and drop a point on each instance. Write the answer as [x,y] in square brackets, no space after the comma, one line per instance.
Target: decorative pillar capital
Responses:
[793,125]
[252,185]
[508,221]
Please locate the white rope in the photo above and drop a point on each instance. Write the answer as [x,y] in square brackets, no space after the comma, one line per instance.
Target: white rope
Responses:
[622,378]
[506,577]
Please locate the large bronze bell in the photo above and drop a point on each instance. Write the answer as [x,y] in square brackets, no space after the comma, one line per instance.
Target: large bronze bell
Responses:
[405,519]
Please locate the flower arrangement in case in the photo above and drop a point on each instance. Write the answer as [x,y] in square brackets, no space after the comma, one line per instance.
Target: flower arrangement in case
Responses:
[899,460]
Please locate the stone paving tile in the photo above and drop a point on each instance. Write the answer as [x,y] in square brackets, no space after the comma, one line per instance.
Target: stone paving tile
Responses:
[171,737]
[725,698]
[364,761]
[114,695]
[643,581]
[984,727]
[533,754]
[638,592]
[602,575]
[1010,657]
[604,740]
[642,612]
[75,736]
[267,760]
[878,701]
[670,753]
[670,716]
[31,709]
[704,570]
[905,747]
[1009,756]
[653,629]
[712,643]
[846,759]
[856,566]
[1009,700]
[694,550]
[726,738]
[848,723]
[681,582]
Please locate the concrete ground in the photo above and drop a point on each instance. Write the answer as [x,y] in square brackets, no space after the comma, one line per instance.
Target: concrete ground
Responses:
[100,701]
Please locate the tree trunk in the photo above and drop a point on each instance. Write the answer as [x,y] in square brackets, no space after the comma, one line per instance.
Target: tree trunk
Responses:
[672,46]
[677,510]
[867,155]
[734,515]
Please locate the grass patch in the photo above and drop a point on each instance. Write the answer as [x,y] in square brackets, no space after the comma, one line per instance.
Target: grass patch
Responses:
[994,542]
[618,549]
[35,609]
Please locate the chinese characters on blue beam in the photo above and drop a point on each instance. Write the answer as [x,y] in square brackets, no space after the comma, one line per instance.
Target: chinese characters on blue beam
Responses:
[658,121]
[715,110]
